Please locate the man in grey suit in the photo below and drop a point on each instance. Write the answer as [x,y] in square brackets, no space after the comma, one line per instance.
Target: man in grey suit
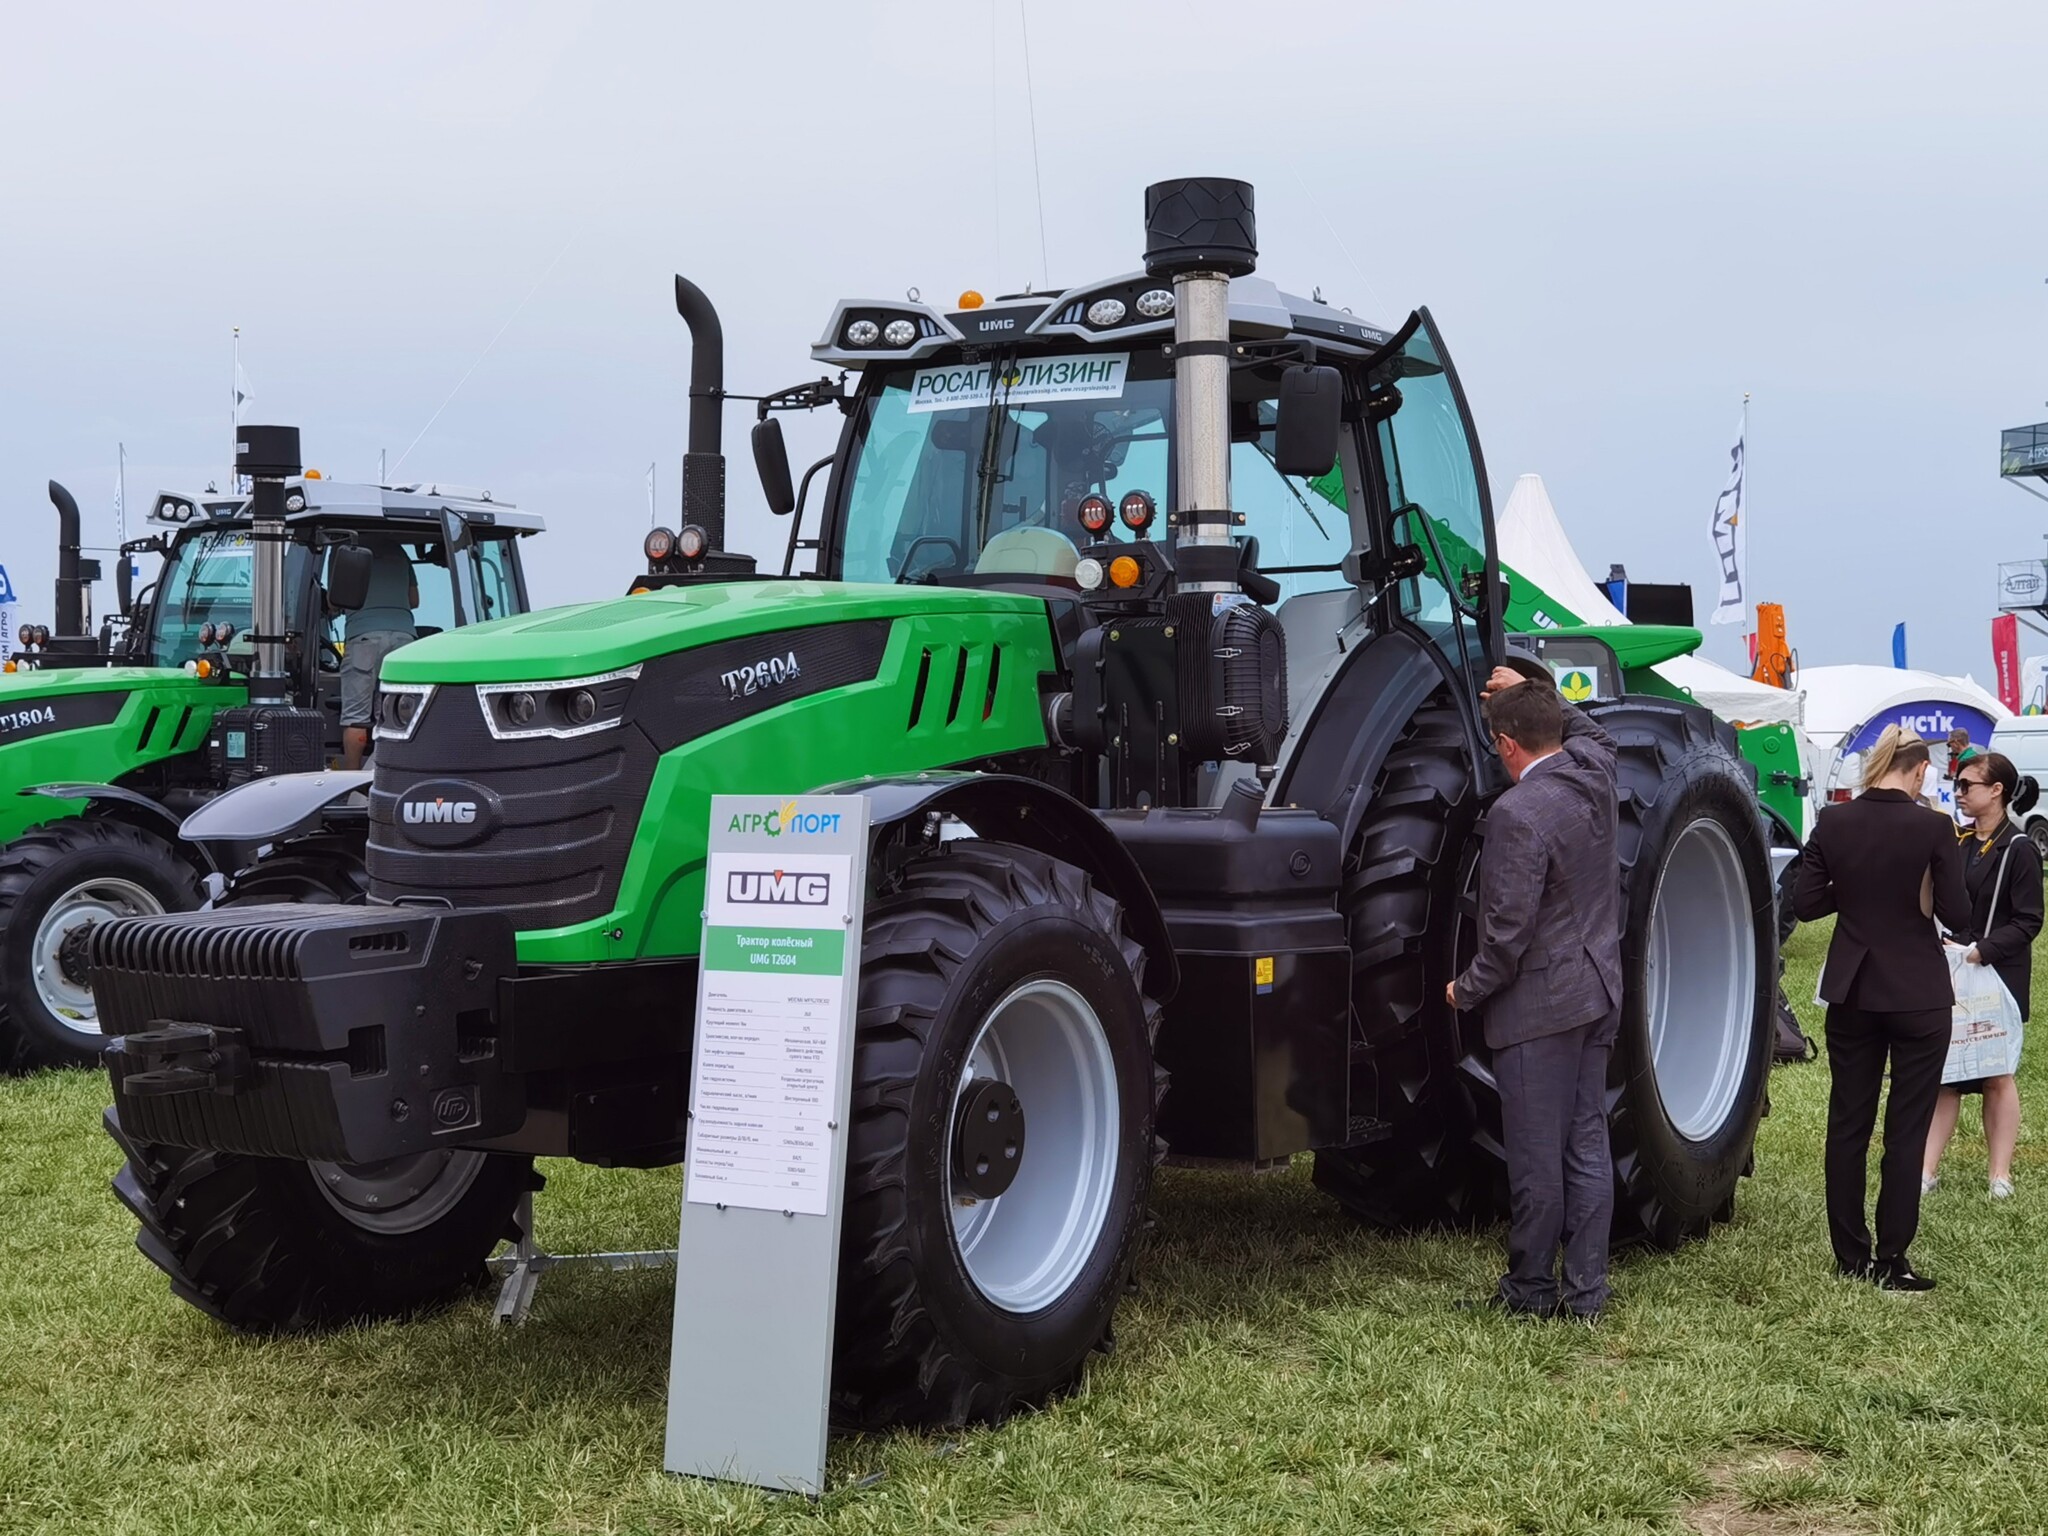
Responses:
[1548,973]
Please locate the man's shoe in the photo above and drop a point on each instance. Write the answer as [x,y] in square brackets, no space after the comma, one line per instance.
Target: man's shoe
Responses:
[1898,1275]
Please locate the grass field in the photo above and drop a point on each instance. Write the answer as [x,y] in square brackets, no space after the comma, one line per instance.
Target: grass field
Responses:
[1280,1370]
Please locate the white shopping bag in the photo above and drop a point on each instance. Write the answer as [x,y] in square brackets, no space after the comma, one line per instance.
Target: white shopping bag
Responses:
[1984,1040]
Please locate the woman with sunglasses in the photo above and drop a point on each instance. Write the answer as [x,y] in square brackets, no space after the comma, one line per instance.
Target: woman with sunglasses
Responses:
[2002,874]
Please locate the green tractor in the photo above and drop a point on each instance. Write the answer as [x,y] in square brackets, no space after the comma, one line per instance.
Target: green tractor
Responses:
[228,668]
[1176,782]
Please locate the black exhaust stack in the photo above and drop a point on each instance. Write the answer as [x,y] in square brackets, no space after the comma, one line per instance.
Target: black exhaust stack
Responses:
[70,583]
[704,461]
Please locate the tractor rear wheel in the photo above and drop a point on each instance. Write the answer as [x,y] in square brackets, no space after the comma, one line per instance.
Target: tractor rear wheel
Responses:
[1687,1079]
[267,1244]
[56,882]
[1400,903]
[1000,1148]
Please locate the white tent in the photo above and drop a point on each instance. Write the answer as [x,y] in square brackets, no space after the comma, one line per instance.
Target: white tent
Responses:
[1533,543]
[1841,699]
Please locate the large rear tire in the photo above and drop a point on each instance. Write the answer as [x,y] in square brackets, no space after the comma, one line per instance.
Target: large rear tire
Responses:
[1687,1080]
[989,964]
[269,1244]
[56,882]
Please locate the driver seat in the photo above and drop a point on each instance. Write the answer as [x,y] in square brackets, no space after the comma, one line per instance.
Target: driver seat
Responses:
[1029,552]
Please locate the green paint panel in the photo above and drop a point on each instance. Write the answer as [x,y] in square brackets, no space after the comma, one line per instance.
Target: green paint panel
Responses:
[776,951]
[601,637]
[164,712]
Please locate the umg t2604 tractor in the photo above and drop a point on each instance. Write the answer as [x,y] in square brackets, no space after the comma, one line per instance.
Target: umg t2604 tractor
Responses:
[1153,620]
[227,668]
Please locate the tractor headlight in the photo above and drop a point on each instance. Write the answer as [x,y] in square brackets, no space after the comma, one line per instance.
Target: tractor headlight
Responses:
[574,706]
[399,707]
[1106,312]
[900,333]
[1155,303]
[863,333]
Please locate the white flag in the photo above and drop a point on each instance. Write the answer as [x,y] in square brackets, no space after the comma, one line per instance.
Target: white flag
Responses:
[1729,538]
[120,522]
[243,393]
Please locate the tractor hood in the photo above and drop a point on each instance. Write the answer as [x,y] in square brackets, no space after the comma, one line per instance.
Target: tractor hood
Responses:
[61,682]
[590,638]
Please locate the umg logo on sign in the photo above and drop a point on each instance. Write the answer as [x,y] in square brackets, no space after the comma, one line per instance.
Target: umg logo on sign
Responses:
[789,818]
[776,888]
[447,813]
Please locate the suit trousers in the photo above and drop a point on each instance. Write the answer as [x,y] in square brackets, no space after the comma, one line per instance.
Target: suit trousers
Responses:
[1553,1101]
[1859,1039]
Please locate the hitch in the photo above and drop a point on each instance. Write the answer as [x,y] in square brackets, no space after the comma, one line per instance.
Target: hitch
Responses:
[186,1058]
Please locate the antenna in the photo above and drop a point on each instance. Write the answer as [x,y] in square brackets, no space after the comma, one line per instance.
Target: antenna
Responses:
[1031,105]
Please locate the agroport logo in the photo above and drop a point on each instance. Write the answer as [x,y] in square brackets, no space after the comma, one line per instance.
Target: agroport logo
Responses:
[788,818]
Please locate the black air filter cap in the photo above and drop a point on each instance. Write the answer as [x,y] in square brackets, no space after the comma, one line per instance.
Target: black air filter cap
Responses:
[1200,224]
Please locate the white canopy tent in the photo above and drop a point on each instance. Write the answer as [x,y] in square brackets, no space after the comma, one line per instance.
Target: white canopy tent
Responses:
[1534,545]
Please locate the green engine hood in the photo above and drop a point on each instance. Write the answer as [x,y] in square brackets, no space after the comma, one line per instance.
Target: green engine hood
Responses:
[59,682]
[589,638]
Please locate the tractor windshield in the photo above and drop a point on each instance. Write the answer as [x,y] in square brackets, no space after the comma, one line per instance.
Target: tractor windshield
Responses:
[208,578]
[969,471]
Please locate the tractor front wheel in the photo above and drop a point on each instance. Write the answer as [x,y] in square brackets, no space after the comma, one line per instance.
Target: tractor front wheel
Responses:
[58,881]
[1000,1146]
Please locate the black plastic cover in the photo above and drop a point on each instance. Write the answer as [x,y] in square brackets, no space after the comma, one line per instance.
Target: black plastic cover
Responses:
[1200,224]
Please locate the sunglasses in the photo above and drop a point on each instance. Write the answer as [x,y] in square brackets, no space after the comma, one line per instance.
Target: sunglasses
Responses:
[1968,784]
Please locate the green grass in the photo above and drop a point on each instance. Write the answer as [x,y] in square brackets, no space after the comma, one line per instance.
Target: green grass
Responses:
[1280,1370]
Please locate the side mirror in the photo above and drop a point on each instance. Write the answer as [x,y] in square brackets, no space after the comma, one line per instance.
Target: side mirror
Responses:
[348,576]
[124,580]
[771,462]
[1309,422]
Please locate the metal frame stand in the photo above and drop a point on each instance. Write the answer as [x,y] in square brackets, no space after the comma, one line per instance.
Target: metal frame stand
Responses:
[520,1270]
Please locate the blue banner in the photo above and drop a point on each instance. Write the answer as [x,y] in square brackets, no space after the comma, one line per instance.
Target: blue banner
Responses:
[1899,646]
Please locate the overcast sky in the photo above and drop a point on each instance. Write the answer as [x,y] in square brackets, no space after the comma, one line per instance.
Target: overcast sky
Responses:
[1622,216]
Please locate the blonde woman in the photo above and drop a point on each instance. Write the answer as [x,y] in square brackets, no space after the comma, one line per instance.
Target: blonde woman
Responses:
[1882,865]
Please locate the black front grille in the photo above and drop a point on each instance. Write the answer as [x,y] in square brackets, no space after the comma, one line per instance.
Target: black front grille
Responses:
[563,815]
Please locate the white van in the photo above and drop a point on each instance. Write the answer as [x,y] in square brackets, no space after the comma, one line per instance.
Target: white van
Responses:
[2024,739]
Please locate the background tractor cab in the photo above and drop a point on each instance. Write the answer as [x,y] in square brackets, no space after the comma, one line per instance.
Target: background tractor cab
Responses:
[224,669]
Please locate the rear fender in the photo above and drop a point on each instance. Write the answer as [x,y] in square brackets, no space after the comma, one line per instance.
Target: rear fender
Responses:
[1008,809]
[110,802]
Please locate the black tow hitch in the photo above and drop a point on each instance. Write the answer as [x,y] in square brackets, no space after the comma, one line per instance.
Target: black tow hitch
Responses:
[186,1058]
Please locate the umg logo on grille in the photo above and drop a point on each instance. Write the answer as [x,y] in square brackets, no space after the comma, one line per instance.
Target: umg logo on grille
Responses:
[776,888]
[447,813]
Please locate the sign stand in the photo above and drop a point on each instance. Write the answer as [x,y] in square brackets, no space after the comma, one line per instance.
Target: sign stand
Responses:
[750,1365]
[519,1271]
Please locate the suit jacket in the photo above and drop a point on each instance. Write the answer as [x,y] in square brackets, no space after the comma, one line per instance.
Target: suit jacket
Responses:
[1866,863]
[1549,954]
[2004,938]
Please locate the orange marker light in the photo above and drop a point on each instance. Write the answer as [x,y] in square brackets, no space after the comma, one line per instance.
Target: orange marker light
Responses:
[312,474]
[10,667]
[971,300]
[202,668]
[1124,571]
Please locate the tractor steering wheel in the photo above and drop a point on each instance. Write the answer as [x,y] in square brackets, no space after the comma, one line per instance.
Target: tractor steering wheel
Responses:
[903,566]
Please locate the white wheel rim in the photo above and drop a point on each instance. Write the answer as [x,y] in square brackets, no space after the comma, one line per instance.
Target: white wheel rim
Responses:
[1024,1248]
[1700,980]
[97,900]
[399,1194]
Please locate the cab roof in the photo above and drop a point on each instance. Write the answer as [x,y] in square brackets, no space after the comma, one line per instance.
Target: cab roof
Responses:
[331,499]
[1259,310]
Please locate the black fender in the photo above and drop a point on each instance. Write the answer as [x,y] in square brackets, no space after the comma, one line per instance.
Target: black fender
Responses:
[117,804]
[270,810]
[1354,725]
[1006,808]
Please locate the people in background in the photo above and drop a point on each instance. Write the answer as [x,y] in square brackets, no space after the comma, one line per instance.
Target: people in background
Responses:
[2002,873]
[370,633]
[1882,865]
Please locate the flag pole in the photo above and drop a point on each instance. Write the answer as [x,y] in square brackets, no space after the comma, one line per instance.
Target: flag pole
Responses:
[1748,592]
[651,513]
[234,411]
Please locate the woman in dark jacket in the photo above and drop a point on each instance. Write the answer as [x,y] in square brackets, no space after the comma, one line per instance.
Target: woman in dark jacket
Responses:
[2002,872]
[1883,864]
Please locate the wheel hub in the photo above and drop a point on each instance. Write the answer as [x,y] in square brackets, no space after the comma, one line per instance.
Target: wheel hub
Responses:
[57,955]
[988,1138]
[399,1194]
